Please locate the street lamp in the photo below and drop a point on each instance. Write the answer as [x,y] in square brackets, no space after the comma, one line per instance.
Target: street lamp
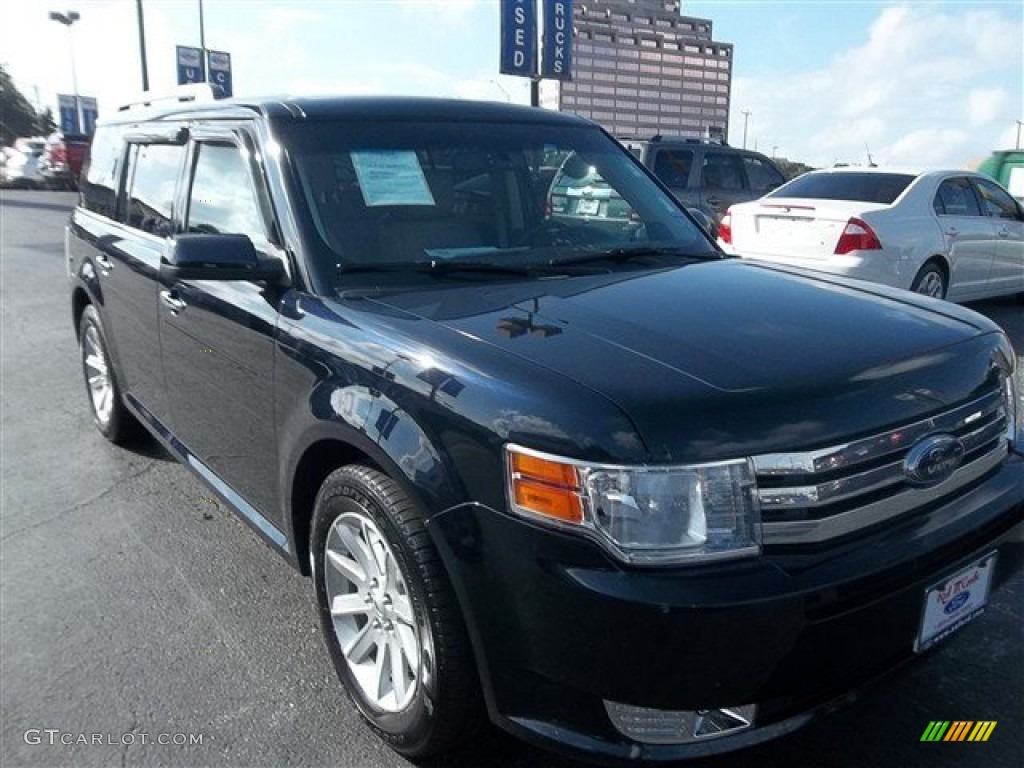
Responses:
[67,19]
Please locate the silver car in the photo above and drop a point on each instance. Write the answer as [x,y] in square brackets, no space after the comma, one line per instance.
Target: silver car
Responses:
[949,234]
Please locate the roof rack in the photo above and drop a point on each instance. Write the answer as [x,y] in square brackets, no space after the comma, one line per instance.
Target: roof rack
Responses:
[192,92]
[717,140]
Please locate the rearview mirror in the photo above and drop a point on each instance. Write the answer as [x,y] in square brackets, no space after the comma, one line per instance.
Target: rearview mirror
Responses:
[217,257]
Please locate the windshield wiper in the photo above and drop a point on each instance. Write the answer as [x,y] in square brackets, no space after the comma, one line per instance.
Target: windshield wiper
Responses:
[627,253]
[436,266]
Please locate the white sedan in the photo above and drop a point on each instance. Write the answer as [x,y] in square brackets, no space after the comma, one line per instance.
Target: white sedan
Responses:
[948,234]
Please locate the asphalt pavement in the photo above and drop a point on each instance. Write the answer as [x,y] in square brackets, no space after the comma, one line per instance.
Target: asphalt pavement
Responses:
[135,610]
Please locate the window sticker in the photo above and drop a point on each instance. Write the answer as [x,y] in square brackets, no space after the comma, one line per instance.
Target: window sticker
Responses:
[391,177]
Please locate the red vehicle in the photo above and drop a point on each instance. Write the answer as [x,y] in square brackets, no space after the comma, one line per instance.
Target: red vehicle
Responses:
[62,160]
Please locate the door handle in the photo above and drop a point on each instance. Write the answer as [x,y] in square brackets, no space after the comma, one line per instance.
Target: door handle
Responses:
[172,302]
[714,202]
[105,263]
[1004,232]
[952,231]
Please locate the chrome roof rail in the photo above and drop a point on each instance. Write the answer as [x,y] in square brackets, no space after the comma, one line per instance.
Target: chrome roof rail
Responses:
[192,92]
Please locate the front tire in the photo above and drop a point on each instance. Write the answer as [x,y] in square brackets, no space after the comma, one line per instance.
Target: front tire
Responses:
[109,413]
[931,281]
[389,615]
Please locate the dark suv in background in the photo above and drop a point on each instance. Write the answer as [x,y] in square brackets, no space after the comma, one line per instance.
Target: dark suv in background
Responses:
[707,175]
[628,497]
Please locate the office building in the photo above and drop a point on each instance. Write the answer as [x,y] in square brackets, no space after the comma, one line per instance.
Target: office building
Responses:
[640,68]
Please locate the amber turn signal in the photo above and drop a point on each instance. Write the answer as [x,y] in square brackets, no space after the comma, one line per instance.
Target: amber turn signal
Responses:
[545,487]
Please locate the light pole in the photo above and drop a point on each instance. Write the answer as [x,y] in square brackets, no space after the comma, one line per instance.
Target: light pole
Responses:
[142,44]
[67,19]
[746,116]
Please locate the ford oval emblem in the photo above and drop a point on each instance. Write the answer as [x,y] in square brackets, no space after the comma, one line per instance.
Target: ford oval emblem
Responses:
[956,603]
[933,460]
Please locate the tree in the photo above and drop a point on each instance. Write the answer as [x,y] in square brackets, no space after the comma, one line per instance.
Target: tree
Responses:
[17,117]
[790,168]
[45,124]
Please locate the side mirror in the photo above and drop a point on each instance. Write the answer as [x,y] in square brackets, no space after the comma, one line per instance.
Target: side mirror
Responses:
[217,257]
[706,222]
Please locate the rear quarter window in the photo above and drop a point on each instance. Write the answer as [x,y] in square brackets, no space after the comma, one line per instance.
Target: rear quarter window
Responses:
[862,187]
[762,175]
[102,171]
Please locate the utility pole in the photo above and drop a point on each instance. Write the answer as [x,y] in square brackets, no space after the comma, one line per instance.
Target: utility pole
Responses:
[67,19]
[202,32]
[142,44]
[1019,124]
[746,116]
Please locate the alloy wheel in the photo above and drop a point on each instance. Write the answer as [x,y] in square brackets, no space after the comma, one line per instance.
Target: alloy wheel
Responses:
[932,284]
[372,613]
[97,374]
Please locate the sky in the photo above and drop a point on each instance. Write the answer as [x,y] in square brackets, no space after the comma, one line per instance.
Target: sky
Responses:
[922,84]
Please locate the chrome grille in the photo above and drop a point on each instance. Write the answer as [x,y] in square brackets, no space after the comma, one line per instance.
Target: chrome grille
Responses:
[814,496]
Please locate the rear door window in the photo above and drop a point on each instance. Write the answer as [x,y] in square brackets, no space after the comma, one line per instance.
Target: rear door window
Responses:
[955,197]
[673,166]
[153,171]
[722,171]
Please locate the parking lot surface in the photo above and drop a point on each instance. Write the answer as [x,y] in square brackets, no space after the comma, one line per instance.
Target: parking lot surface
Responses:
[138,610]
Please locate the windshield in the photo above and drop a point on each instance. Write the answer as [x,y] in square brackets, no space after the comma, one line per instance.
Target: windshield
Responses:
[852,186]
[510,196]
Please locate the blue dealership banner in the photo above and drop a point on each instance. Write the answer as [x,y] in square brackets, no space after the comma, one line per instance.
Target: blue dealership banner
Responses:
[67,111]
[519,37]
[220,71]
[90,112]
[191,67]
[557,61]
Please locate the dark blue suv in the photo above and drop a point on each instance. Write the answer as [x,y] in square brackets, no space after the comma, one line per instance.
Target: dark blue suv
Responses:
[623,495]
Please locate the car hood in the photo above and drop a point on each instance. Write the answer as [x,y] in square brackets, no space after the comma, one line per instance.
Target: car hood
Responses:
[725,357]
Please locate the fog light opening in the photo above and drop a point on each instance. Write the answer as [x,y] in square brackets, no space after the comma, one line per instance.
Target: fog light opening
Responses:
[660,726]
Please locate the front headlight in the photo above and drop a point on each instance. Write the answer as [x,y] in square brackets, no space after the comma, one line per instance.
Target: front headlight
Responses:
[1013,396]
[643,515]
[1014,411]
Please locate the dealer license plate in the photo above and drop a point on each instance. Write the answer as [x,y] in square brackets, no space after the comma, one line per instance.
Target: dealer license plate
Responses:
[954,602]
[588,207]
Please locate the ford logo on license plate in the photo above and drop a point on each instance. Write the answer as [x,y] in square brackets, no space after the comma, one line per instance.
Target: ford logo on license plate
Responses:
[933,460]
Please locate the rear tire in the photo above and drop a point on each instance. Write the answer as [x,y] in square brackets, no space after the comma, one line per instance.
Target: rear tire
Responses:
[114,421]
[931,281]
[390,618]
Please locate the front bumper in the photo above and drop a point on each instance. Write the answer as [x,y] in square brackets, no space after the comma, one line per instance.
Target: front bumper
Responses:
[558,629]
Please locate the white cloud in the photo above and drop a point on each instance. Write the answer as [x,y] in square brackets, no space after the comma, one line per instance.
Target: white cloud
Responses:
[439,16]
[927,88]
[984,104]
